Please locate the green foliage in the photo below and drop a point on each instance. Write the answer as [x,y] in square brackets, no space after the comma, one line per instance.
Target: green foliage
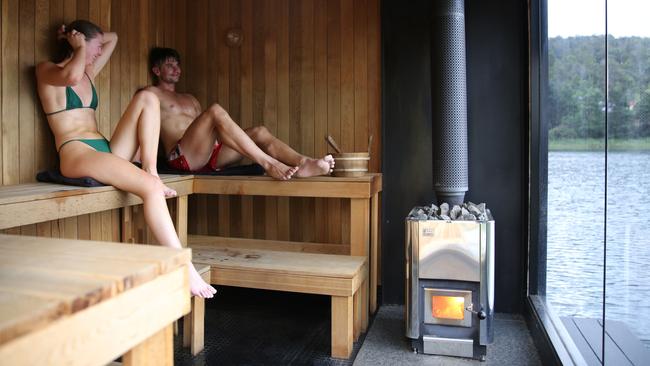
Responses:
[562,132]
[589,144]
[576,101]
[643,112]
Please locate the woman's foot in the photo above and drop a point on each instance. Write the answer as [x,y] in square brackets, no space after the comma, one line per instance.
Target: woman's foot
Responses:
[314,167]
[198,287]
[169,192]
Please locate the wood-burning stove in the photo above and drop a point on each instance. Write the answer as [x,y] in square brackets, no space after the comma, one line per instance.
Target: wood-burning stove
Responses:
[450,286]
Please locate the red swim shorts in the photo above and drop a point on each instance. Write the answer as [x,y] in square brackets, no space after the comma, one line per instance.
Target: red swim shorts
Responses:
[177,160]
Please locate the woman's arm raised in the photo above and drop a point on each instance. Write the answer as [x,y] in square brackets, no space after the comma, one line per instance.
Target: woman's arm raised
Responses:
[73,71]
[108,46]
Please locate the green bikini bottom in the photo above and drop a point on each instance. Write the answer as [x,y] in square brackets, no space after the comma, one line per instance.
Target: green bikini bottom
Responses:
[97,144]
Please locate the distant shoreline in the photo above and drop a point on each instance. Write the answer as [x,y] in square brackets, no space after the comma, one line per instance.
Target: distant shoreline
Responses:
[599,144]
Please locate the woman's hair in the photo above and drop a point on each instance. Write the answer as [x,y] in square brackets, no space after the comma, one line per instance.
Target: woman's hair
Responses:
[158,56]
[88,29]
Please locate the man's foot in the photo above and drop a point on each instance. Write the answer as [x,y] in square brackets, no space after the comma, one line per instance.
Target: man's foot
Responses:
[198,287]
[280,171]
[313,167]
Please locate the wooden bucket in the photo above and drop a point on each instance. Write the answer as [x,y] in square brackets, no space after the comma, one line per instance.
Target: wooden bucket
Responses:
[351,164]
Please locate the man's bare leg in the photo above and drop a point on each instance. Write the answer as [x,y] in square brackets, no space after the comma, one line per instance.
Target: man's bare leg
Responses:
[214,124]
[311,167]
[307,167]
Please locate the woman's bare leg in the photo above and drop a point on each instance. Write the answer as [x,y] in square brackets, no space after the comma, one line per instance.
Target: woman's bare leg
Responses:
[78,160]
[307,167]
[139,131]
[215,124]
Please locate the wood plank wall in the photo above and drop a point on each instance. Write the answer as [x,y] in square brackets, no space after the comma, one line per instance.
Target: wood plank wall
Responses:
[306,68]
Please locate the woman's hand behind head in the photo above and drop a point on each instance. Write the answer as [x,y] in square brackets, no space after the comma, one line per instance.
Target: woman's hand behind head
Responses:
[60,33]
[76,39]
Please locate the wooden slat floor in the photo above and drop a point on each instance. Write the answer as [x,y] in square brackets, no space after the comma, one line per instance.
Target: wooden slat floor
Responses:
[621,346]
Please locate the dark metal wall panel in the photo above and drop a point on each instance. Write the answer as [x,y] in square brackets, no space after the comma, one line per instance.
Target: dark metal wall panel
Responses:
[497,80]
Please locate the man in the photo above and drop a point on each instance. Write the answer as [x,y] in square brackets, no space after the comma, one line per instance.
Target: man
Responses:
[199,140]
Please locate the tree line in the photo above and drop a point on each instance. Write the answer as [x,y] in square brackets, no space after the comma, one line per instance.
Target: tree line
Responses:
[576,104]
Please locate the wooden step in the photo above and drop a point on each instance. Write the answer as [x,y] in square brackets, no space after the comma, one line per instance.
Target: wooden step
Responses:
[325,274]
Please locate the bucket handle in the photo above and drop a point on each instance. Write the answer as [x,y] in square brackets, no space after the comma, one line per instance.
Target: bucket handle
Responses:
[332,143]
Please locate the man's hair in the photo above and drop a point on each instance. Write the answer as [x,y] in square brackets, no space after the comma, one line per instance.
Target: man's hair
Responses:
[158,55]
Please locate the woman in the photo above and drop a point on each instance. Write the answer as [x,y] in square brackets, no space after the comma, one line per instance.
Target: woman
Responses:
[69,99]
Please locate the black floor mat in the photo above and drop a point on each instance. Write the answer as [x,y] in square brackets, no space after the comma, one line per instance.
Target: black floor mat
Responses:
[257,327]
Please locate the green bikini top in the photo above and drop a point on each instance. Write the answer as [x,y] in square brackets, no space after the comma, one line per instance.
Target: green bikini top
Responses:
[72,100]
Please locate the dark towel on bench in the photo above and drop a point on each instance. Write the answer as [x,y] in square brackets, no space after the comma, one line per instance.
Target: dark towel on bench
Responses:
[55,176]
[251,169]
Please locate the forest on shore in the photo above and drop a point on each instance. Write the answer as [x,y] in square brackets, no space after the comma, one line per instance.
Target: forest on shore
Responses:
[576,104]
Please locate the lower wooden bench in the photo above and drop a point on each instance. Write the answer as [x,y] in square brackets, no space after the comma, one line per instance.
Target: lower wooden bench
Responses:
[74,302]
[340,276]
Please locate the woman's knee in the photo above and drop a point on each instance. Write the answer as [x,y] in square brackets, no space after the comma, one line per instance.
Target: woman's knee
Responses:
[147,99]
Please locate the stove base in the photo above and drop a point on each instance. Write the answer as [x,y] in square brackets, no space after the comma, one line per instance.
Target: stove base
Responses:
[456,347]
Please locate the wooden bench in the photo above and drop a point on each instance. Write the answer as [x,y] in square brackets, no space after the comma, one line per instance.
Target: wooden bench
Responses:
[364,193]
[341,277]
[82,302]
[33,203]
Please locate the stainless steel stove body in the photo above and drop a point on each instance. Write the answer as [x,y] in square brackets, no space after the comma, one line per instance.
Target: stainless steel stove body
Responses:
[450,286]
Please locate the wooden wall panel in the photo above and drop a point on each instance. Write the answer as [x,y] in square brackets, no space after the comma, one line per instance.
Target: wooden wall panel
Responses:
[284,127]
[11,92]
[334,106]
[305,69]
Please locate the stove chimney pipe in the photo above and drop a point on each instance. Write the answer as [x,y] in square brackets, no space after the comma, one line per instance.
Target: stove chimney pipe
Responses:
[449,93]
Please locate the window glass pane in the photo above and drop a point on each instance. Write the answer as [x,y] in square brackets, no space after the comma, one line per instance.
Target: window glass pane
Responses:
[628,173]
[575,116]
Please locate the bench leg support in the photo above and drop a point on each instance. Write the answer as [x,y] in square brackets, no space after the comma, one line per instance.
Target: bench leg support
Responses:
[374,250]
[361,310]
[181,219]
[357,315]
[363,295]
[342,326]
[193,323]
[155,350]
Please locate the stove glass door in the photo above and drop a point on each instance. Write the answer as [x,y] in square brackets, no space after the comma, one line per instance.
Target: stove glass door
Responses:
[448,307]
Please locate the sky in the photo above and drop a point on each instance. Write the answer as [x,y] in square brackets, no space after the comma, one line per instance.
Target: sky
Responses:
[626,18]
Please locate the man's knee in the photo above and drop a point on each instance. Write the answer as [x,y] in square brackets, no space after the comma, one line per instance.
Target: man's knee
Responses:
[258,132]
[217,112]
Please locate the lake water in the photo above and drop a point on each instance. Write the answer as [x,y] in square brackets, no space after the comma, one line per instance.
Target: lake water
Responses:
[576,231]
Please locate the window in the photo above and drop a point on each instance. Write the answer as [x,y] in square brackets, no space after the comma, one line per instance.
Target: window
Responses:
[591,131]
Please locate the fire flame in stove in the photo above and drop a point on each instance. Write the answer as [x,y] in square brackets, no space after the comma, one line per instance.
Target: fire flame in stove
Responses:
[448,307]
